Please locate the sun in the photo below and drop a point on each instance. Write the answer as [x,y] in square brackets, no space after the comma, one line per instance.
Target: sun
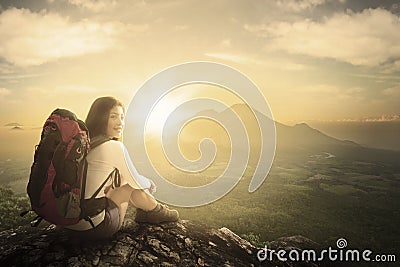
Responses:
[161,111]
[166,105]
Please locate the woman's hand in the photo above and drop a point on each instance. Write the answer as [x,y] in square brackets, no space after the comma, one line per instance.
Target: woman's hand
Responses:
[106,189]
[153,187]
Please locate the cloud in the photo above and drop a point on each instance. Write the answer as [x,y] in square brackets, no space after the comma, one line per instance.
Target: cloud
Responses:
[181,27]
[16,76]
[377,77]
[93,5]
[392,91]
[391,67]
[294,66]
[301,5]
[5,68]
[369,38]
[234,58]
[334,92]
[28,38]
[4,92]
[225,43]
[251,59]
[395,8]
[74,89]
[382,118]
[229,57]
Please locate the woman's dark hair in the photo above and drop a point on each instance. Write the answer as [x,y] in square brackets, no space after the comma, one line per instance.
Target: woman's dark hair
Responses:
[97,118]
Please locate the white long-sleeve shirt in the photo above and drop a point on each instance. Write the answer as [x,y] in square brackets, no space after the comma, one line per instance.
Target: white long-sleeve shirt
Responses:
[101,162]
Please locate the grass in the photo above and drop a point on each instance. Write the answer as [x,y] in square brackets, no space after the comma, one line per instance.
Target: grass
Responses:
[342,204]
[340,190]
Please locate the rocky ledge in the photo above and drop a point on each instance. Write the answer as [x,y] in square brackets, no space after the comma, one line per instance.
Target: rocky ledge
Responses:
[184,243]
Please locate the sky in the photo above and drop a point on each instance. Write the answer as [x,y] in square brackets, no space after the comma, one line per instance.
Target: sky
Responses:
[312,59]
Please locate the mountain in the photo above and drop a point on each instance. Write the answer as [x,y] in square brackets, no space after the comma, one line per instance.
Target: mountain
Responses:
[16,128]
[298,135]
[294,143]
[300,144]
[303,134]
[291,141]
[374,134]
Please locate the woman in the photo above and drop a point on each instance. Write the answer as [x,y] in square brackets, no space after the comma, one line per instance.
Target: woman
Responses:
[106,117]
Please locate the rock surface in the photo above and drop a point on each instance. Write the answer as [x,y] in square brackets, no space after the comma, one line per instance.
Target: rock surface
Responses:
[184,243]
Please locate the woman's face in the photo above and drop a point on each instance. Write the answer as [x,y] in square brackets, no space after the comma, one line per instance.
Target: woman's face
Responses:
[115,122]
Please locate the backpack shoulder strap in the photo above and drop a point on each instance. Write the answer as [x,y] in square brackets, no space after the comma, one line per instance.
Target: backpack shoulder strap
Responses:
[98,140]
[94,142]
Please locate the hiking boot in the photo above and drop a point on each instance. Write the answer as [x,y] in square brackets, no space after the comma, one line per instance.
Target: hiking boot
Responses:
[161,213]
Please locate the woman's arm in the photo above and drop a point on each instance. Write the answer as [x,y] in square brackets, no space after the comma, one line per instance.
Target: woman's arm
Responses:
[123,163]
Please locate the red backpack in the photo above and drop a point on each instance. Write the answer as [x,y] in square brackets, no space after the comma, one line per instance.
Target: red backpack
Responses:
[56,186]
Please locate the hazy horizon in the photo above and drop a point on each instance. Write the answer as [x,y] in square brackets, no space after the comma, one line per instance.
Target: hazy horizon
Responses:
[20,142]
[381,133]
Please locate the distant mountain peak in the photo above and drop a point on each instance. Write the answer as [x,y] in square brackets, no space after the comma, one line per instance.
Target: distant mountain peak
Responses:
[14,124]
[16,128]
[303,124]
